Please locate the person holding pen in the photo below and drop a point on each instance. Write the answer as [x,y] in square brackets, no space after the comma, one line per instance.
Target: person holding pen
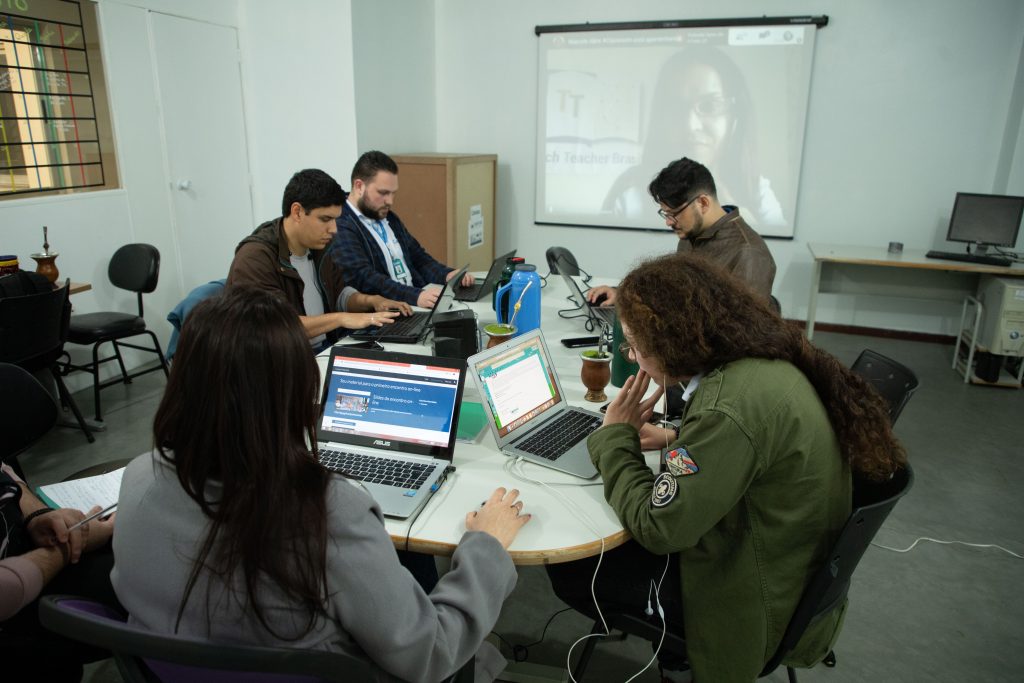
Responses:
[231,530]
[45,551]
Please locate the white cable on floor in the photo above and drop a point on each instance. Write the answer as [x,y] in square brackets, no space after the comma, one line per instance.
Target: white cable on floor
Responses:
[936,540]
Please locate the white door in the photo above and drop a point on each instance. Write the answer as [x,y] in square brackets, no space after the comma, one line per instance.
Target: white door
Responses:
[200,91]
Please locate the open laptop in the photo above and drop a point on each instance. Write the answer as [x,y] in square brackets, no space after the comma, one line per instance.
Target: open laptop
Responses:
[479,288]
[389,420]
[409,329]
[604,315]
[526,408]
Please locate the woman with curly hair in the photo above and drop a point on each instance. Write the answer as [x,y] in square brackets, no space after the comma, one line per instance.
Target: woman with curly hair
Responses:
[756,487]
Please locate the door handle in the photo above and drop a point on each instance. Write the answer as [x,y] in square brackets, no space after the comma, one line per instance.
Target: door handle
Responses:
[184,185]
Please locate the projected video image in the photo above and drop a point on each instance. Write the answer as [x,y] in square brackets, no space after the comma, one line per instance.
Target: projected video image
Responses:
[618,106]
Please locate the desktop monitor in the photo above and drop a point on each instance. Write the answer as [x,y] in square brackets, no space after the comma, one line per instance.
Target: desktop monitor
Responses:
[985,220]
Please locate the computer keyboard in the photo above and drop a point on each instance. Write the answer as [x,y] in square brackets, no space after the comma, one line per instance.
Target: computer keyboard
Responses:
[556,438]
[402,326]
[980,259]
[369,468]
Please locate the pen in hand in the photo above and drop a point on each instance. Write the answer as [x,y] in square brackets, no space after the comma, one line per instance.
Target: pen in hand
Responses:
[105,511]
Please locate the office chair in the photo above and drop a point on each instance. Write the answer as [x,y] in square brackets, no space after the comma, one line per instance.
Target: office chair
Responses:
[178,314]
[827,589]
[143,656]
[894,381]
[136,268]
[27,413]
[33,329]
[561,261]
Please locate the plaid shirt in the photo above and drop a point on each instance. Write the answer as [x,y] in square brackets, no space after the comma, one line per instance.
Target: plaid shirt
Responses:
[361,261]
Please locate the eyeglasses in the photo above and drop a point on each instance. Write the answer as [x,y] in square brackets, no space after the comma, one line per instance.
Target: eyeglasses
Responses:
[712,105]
[626,349]
[672,215]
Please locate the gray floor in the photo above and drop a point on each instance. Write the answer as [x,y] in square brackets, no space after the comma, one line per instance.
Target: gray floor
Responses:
[937,613]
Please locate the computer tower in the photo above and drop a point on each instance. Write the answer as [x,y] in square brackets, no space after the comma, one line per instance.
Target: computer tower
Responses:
[1002,321]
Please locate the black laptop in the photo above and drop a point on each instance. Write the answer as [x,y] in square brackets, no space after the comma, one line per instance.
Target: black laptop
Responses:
[481,288]
[409,329]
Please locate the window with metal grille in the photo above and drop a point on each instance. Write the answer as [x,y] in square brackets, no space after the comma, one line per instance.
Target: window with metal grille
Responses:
[55,133]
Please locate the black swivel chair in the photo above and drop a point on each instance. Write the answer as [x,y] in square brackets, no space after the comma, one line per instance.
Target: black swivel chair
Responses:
[561,261]
[143,656]
[872,503]
[135,267]
[27,413]
[33,329]
[894,381]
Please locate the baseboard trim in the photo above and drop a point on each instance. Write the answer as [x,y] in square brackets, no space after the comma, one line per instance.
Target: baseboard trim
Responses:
[879,332]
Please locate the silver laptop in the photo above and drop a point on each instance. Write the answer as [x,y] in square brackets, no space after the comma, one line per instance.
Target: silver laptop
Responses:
[526,407]
[601,315]
[389,420]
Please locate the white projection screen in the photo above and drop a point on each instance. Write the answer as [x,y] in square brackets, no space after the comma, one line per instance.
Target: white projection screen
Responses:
[615,106]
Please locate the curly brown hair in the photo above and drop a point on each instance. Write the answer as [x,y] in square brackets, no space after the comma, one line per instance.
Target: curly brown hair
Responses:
[692,316]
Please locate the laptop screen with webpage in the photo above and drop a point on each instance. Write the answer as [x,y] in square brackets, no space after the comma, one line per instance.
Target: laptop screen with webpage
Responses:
[518,384]
[400,402]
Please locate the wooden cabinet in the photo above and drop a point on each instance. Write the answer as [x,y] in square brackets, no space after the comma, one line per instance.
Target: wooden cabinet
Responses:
[447,202]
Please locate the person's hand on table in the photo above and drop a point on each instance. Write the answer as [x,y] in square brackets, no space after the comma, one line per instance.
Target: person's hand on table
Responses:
[501,516]
[51,530]
[382,304]
[629,405]
[428,297]
[595,293]
[357,321]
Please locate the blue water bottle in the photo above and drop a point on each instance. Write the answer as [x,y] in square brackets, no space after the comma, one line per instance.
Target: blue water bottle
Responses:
[525,279]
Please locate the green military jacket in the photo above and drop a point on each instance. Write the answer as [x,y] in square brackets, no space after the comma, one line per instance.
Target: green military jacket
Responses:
[768,497]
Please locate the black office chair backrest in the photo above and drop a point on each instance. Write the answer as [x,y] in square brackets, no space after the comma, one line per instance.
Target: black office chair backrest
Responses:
[140,653]
[561,261]
[894,381]
[135,267]
[872,503]
[27,411]
[33,328]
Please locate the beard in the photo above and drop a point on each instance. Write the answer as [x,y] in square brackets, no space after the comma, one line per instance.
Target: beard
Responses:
[369,211]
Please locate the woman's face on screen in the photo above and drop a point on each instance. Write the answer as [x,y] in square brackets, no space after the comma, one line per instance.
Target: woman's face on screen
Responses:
[705,112]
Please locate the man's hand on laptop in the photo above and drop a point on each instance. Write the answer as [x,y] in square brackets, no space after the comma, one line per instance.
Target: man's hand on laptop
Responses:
[358,321]
[601,295]
[501,516]
[428,297]
[382,304]
[467,278]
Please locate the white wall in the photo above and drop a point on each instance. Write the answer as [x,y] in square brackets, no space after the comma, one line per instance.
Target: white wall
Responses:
[393,50]
[298,81]
[909,104]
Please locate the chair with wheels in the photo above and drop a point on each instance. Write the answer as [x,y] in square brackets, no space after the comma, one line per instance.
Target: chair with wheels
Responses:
[136,268]
[143,656]
[561,261]
[894,381]
[827,589]
[27,413]
[33,329]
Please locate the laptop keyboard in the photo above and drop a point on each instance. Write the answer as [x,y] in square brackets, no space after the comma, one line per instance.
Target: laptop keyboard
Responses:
[374,470]
[407,325]
[556,438]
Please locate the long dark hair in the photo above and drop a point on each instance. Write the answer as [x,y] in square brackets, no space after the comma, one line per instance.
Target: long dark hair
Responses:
[238,409]
[737,166]
[692,316]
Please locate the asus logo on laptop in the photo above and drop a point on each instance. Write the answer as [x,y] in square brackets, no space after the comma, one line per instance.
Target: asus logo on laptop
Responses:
[378,442]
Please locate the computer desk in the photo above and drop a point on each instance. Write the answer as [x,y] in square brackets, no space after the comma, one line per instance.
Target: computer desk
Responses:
[873,270]
[555,533]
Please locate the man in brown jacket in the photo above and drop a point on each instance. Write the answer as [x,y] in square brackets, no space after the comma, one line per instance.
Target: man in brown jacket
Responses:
[688,203]
[285,255]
